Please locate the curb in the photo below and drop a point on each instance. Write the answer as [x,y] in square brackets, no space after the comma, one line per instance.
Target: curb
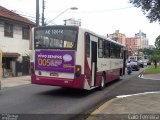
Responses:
[100,109]
[142,76]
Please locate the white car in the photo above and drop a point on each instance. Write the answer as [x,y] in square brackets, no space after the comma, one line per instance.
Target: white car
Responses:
[135,63]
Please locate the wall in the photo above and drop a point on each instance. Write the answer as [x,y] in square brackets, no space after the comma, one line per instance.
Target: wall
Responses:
[15,44]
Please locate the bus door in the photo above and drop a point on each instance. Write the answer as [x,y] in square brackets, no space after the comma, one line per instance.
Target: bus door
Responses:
[93,62]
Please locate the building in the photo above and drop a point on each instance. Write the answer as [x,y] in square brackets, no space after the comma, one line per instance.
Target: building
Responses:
[133,43]
[143,39]
[137,43]
[15,35]
[73,22]
[119,37]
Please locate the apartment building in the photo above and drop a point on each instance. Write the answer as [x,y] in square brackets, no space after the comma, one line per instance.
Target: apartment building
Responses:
[15,35]
[144,43]
[133,43]
[119,37]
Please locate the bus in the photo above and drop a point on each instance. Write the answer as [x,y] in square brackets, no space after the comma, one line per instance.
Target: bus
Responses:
[74,57]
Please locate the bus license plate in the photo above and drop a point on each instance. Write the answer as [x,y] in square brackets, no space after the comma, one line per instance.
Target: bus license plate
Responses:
[54,74]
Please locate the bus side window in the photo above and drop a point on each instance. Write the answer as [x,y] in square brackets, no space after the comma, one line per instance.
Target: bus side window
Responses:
[121,52]
[88,44]
[106,49]
[118,51]
[112,50]
[100,48]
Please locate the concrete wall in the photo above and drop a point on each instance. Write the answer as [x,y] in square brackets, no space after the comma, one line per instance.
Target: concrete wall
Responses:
[15,44]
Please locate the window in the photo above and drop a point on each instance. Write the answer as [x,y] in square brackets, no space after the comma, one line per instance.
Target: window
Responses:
[118,51]
[100,48]
[8,30]
[122,52]
[106,49]
[113,50]
[88,45]
[25,33]
[55,38]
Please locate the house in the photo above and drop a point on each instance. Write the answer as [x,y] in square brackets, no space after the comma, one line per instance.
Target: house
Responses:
[15,35]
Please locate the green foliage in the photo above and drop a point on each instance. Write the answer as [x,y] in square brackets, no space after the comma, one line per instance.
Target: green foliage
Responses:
[155,58]
[152,70]
[151,8]
[157,42]
[146,51]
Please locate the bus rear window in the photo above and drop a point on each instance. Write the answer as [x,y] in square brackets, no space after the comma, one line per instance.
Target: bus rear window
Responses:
[55,38]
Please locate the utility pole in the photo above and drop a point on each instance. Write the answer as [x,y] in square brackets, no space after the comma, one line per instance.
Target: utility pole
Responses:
[43,7]
[37,12]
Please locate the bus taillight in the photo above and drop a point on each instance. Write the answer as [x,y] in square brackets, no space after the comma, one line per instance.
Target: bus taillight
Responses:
[77,70]
[32,68]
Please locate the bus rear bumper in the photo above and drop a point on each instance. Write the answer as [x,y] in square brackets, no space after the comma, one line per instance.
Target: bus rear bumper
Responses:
[62,82]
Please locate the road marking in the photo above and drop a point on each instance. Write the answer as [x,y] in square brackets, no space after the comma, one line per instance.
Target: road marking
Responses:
[100,109]
[143,77]
[145,93]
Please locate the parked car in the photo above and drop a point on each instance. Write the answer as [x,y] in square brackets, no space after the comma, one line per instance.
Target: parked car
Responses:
[135,63]
[138,59]
[147,60]
[141,63]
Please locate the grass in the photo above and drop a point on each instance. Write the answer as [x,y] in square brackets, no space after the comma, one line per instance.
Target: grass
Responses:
[152,70]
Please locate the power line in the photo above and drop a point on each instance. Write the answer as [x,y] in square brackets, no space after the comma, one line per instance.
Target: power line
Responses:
[98,11]
[33,18]
[109,10]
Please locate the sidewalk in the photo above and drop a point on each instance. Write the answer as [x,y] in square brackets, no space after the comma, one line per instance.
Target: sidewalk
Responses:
[134,106]
[152,76]
[15,81]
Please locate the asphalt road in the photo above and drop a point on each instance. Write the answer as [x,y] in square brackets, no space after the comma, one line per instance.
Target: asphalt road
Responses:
[38,101]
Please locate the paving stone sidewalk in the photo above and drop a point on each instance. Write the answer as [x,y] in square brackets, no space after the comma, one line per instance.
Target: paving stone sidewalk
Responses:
[135,106]
[15,81]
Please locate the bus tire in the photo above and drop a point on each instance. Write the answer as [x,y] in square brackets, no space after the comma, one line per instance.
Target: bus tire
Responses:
[102,83]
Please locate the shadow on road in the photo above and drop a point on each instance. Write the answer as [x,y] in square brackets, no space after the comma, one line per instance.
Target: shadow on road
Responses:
[75,93]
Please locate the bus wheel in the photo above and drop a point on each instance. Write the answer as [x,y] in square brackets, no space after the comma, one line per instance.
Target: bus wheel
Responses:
[102,84]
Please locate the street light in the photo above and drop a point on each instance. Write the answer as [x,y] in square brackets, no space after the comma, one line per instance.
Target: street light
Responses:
[72,8]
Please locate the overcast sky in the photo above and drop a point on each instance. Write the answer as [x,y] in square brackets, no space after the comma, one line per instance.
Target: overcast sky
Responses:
[100,16]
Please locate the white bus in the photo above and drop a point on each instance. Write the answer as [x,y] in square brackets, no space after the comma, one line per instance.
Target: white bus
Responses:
[73,57]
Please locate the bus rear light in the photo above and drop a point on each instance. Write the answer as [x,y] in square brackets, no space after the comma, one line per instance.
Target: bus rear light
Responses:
[77,70]
[32,68]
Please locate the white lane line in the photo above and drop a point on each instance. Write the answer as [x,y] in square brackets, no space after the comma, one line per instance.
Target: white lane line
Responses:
[122,96]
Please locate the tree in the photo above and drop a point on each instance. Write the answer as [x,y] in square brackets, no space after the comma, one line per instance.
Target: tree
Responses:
[146,51]
[155,57]
[157,42]
[151,8]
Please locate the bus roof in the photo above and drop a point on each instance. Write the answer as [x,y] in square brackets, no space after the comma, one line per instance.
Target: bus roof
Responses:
[101,36]
[82,29]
